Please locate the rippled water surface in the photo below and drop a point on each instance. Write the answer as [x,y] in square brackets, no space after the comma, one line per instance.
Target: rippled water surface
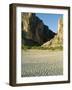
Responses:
[41,63]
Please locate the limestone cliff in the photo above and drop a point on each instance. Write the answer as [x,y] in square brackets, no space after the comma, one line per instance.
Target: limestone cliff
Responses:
[34,31]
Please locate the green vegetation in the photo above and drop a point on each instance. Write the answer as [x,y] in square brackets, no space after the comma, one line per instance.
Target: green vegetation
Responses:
[25,47]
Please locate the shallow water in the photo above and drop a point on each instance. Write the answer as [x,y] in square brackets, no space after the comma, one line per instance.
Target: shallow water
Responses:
[41,63]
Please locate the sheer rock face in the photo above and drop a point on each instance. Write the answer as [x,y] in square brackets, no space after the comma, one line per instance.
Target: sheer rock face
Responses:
[57,41]
[60,30]
[34,31]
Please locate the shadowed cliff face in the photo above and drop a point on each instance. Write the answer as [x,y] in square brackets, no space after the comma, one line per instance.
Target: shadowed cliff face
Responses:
[57,41]
[34,31]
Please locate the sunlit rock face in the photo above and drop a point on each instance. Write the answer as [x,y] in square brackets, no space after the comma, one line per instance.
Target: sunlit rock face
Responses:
[34,31]
[60,29]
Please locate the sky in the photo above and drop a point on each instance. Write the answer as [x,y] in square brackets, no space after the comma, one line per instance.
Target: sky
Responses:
[51,20]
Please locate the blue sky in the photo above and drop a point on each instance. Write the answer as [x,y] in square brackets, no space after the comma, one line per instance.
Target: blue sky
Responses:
[50,20]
